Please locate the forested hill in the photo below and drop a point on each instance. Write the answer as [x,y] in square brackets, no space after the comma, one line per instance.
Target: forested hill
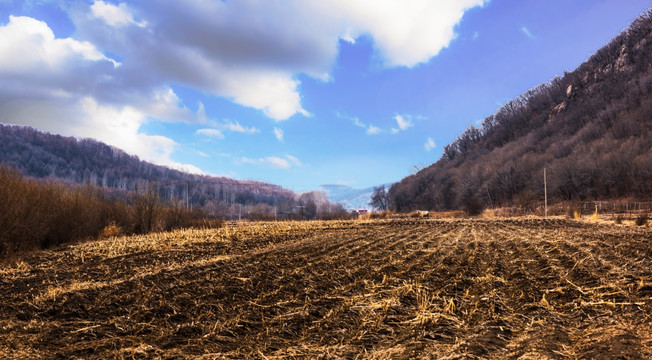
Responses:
[591,129]
[43,155]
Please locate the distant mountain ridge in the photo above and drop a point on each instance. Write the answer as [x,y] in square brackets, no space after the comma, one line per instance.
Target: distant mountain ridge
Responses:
[84,161]
[590,129]
[349,197]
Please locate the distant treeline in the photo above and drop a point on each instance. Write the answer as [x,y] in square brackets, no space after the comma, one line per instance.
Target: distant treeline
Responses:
[39,214]
[590,129]
[84,161]
[43,213]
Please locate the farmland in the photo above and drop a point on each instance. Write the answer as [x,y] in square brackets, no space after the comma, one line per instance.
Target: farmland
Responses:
[406,288]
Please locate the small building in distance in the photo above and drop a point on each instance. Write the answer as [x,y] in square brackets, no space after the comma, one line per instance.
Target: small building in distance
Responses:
[362,211]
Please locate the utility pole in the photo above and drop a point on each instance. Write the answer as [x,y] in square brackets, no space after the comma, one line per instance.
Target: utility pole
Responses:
[545,191]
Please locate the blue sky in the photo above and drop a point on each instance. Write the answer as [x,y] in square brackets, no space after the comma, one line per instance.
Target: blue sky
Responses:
[293,92]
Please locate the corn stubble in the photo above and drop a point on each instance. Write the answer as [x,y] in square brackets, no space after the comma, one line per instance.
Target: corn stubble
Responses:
[380,289]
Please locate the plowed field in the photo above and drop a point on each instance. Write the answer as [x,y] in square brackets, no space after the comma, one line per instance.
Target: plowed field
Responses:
[390,289]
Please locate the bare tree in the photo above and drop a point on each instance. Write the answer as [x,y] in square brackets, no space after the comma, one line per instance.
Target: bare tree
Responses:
[380,198]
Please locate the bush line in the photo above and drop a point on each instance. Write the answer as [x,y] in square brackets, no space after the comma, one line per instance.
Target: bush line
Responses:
[39,214]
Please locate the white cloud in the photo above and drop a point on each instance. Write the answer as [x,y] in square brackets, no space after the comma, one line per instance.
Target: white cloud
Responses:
[277,162]
[293,160]
[348,37]
[274,93]
[235,126]
[358,123]
[274,161]
[279,133]
[218,129]
[527,33]
[249,52]
[404,33]
[28,50]
[369,128]
[373,130]
[210,132]
[69,87]
[86,118]
[252,52]
[114,15]
[403,122]
[430,144]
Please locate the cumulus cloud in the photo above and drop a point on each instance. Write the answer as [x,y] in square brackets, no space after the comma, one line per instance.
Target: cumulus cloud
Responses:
[285,162]
[114,15]
[86,118]
[279,133]
[252,52]
[209,46]
[405,33]
[28,45]
[66,86]
[430,144]
[249,52]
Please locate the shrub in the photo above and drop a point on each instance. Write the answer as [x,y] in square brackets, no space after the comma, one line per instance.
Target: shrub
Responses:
[109,231]
[366,216]
[177,217]
[473,206]
[595,215]
[619,219]
[641,220]
[573,213]
[146,211]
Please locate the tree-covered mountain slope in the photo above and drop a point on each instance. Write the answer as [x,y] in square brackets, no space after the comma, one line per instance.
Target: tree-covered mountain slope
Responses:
[591,129]
[83,161]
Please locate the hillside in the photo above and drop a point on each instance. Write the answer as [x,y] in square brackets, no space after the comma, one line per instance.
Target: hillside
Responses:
[84,161]
[591,129]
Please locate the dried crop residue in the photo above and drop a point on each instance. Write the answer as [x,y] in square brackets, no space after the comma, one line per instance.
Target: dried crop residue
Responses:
[400,289]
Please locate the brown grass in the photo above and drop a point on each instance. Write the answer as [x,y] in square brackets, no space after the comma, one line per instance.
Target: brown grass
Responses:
[375,289]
